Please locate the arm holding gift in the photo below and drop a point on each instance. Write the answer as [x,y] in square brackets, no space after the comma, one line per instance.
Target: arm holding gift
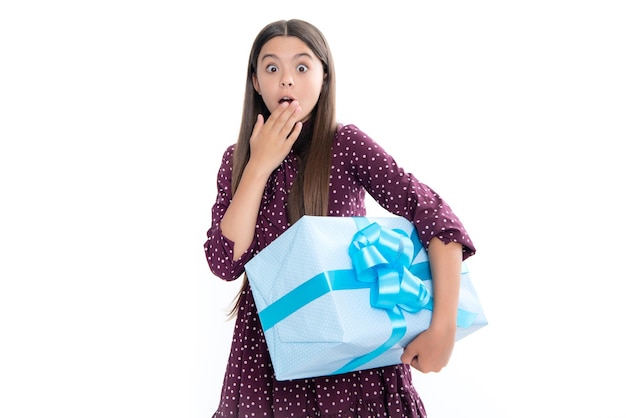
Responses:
[440,231]
[431,350]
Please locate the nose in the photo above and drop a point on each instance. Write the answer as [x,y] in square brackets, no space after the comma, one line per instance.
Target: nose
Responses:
[286,81]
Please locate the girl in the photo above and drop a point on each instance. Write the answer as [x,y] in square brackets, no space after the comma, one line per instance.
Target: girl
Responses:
[292,158]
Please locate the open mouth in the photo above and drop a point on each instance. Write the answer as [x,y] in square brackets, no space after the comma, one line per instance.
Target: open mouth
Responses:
[285,99]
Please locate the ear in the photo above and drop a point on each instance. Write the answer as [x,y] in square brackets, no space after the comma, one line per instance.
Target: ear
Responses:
[255,83]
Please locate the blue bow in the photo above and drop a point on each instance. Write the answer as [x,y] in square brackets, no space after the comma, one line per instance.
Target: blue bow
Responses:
[382,256]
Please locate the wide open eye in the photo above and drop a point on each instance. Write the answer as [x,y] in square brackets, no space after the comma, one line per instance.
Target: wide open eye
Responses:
[271,68]
[302,68]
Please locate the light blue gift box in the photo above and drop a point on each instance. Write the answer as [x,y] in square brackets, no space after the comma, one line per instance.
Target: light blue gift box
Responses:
[339,294]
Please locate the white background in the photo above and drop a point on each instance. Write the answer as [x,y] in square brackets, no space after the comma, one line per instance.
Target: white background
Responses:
[113,119]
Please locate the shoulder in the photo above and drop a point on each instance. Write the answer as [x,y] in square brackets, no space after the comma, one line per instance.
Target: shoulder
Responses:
[230,150]
[226,161]
[349,130]
[350,133]
[352,137]
[227,155]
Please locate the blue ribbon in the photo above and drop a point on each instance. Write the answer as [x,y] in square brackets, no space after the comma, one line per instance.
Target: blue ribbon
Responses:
[382,262]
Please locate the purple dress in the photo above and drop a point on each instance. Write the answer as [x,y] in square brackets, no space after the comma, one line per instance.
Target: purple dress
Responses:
[359,165]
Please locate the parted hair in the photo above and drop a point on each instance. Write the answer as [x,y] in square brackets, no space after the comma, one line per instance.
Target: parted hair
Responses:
[309,193]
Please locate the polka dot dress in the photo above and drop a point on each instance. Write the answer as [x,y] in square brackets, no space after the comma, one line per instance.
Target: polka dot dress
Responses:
[359,166]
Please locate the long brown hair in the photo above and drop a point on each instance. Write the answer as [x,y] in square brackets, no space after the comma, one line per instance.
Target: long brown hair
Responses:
[309,193]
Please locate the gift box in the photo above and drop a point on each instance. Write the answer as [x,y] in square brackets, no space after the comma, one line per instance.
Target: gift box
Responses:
[340,294]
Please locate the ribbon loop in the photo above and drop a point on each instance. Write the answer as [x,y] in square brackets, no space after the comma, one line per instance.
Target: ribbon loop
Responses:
[382,256]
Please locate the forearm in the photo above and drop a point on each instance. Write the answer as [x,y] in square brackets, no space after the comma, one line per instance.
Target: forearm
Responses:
[430,351]
[239,221]
[445,264]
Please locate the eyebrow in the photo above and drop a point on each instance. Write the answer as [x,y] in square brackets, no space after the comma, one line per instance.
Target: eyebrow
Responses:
[274,56]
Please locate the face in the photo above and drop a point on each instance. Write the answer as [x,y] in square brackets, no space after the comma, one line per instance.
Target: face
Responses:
[288,70]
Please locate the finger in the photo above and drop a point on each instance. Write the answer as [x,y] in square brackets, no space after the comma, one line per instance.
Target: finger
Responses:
[275,116]
[287,118]
[415,363]
[258,125]
[295,133]
[406,357]
[293,120]
[410,352]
